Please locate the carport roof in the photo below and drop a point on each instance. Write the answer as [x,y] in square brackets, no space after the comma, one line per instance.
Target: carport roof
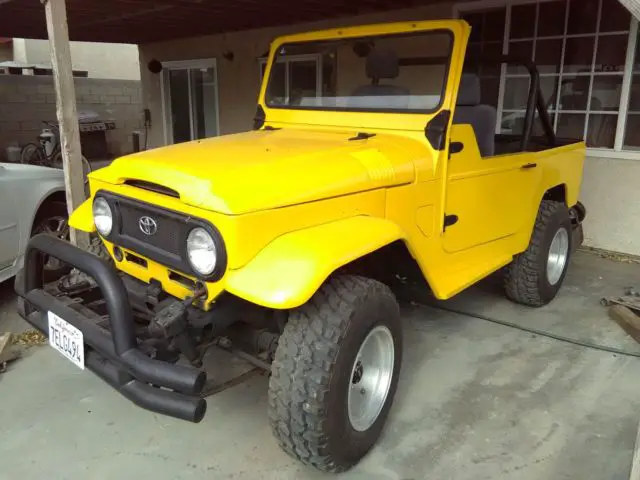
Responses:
[142,21]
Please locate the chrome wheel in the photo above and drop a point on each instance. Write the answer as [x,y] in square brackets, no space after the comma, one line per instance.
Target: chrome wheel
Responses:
[558,255]
[56,226]
[371,377]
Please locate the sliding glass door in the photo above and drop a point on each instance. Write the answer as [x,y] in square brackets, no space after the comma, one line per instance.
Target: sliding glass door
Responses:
[190,100]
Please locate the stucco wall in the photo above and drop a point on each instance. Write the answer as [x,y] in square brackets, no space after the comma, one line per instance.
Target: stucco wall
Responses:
[25,101]
[19,50]
[611,193]
[102,60]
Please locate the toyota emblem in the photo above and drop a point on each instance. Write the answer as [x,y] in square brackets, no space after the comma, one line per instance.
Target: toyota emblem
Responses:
[148,225]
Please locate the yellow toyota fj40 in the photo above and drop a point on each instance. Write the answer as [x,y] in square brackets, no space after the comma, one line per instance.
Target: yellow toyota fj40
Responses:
[275,243]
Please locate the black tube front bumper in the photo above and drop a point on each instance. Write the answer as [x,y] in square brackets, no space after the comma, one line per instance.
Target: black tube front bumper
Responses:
[114,355]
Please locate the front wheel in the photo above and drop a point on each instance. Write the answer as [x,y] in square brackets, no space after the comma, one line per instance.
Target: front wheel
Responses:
[335,373]
[536,275]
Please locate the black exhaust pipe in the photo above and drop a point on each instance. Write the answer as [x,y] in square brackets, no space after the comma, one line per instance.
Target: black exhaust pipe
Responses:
[151,398]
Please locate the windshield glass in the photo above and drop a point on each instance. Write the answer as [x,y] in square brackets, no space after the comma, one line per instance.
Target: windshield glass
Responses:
[393,73]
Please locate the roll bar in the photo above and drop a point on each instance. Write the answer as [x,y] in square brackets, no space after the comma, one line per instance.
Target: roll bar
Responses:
[535,101]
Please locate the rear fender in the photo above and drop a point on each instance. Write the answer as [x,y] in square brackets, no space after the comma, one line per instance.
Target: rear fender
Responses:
[288,271]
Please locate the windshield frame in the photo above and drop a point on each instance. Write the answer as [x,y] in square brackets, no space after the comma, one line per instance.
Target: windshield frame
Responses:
[274,57]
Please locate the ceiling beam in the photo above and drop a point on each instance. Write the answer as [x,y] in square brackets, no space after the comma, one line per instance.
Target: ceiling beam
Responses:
[142,21]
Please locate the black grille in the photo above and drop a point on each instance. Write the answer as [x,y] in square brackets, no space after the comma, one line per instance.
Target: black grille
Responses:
[168,236]
[167,245]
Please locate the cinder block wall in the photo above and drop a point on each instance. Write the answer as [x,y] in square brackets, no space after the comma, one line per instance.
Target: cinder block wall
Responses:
[26,100]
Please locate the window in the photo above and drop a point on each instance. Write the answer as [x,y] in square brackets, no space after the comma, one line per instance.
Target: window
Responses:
[294,75]
[631,139]
[487,36]
[588,75]
[383,73]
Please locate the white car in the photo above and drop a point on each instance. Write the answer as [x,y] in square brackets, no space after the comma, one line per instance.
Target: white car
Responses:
[32,200]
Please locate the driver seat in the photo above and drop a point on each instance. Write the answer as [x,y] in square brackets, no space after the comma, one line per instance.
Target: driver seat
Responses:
[381,64]
[469,111]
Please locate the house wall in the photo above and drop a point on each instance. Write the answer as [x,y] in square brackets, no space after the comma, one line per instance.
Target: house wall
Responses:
[25,101]
[6,52]
[612,197]
[102,60]
[610,187]
[20,50]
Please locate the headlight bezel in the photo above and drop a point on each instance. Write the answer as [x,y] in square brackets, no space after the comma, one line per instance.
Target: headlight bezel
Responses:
[221,251]
[102,199]
[209,240]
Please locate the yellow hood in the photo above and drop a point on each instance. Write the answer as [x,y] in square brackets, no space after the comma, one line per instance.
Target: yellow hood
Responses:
[260,170]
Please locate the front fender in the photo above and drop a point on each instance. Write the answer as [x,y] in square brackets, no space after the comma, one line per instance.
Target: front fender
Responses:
[82,217]
[288,271]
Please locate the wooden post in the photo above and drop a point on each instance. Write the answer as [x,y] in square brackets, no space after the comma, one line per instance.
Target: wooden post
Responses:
[58,30]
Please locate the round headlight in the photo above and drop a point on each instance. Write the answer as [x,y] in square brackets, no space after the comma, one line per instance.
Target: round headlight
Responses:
[201,250]
[102,216]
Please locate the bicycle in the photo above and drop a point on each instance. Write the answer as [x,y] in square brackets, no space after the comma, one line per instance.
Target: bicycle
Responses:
[47,152]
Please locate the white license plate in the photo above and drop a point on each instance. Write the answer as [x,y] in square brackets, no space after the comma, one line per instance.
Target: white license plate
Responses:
[66,339]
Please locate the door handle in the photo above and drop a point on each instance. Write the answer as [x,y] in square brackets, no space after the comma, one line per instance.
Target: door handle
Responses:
[527,166]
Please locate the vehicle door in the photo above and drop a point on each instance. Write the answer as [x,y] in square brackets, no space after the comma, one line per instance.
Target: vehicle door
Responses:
[9,233]
[490,192]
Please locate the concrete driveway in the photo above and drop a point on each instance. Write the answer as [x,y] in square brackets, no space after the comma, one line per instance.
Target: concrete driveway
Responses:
[475,401]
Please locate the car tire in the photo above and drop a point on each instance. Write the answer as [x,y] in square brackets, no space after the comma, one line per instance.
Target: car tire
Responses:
[52,219]
[535,276]
[346,337]
[77,279]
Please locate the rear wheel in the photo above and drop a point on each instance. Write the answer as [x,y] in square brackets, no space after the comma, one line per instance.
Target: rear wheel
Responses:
[536,275]
[335,373]
[31,154]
